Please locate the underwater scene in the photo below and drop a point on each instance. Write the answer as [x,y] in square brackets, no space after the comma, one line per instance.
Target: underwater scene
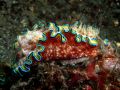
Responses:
[59,45]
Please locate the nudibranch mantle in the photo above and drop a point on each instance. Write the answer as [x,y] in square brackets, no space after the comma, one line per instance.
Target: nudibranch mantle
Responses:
[57,43]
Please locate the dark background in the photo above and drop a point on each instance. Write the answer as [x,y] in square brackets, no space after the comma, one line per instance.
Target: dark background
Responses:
[17,14]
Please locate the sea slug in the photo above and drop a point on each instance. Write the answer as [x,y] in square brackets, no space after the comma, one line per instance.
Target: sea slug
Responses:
[68,44]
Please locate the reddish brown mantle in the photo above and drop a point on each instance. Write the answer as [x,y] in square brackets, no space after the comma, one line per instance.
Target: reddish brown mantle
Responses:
[56,50]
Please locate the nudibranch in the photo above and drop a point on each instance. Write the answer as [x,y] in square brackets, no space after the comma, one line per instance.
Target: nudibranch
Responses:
[68,43]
